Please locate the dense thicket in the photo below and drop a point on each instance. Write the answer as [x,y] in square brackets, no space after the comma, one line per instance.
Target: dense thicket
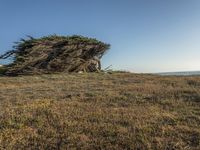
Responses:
[55,54]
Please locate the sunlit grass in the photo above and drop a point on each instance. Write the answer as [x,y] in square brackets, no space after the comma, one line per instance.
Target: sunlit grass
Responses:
[99,111]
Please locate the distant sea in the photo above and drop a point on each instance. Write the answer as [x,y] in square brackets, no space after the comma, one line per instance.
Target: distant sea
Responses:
[184,73]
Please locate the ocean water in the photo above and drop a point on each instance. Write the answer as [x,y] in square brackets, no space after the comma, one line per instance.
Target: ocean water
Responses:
[184,73]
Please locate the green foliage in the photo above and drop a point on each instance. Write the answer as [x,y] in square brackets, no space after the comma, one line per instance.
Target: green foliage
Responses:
[55,53]
[2,70]
[23,44]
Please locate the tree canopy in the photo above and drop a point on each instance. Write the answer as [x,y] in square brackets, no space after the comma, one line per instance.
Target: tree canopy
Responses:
[55,53]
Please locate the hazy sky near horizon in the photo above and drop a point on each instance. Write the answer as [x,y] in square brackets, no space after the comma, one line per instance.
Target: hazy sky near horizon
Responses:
[145,35]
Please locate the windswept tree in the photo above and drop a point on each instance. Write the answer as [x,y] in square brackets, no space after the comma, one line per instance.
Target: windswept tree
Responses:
[55,54]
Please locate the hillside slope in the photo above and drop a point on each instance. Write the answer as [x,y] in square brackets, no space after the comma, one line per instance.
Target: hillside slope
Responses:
[99,111]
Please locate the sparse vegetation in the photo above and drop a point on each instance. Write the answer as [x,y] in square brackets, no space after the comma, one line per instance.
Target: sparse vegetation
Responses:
[100,111]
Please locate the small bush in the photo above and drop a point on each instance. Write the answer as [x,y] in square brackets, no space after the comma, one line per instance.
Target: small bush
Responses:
[2,70]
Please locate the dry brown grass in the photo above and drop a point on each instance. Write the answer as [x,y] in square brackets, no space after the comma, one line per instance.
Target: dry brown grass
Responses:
[99,111]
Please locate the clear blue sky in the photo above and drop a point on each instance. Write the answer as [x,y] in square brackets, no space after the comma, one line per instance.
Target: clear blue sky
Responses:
[146,35]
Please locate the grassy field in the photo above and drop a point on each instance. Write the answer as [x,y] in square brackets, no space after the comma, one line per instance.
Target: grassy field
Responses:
[100,111]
